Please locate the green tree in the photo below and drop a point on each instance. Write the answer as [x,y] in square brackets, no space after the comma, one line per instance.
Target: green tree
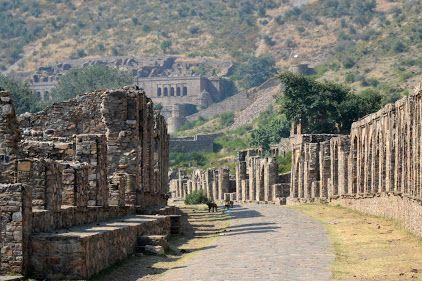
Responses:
[255,71]
[270,129]
[24,99]
[88,79]
[323,107]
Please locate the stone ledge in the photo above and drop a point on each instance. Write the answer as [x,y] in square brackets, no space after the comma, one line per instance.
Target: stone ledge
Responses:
[81,252]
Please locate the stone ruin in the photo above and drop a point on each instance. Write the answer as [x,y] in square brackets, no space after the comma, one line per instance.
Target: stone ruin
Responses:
[256,179]
[216,184]
[376,169]
[74,180]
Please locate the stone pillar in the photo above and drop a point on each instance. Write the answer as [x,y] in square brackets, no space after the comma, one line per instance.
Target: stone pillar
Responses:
[240,175]
[92,149]
[16,218]
[270,177]
[215,186]
[189,186]
[325,168]
[276,192]
[9,138]
[117,189]
[184,190]
[209,184]
[245,188]
[76,189]
[252,166]
[223,183]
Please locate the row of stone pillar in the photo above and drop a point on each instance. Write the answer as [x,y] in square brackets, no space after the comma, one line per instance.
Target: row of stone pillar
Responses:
[382,154]
[257,179]
[214,183]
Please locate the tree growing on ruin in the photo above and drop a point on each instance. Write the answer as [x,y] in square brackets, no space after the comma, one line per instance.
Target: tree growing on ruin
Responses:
[324,107]
[88,79]
[270,128]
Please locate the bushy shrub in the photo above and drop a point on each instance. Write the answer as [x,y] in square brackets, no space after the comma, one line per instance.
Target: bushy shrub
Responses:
[193,159]
[196,197]
[226,119]
[284,163]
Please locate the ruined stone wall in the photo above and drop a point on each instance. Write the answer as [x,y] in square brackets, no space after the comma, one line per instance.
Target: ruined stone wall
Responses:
[15,227]
[9,137]
[98,157]
[379,161]
[214,183]
[120,124]
[257,177]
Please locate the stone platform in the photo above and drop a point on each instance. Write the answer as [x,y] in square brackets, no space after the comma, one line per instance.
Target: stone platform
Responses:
[80,252]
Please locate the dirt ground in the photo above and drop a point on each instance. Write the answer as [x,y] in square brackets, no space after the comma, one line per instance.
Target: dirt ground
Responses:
[368,247]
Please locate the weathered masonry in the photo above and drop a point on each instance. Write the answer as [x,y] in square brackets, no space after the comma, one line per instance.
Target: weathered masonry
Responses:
[74,179]
[376,169]
[169,91]
[257,177]
[214,183]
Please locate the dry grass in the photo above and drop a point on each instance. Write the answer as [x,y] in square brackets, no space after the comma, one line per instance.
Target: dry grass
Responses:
[368,247]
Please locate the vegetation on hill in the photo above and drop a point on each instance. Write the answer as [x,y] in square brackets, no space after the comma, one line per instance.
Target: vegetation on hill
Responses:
[24,99]
[366,43]
[88,79]
[254,71]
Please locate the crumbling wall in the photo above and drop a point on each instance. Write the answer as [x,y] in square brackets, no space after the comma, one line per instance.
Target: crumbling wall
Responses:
[9,137]
[379,161]
[214,183]
[15,210]
[91,159]
[257,177]
[120,124]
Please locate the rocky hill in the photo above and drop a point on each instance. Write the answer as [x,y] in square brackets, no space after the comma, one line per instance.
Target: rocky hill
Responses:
[367,43]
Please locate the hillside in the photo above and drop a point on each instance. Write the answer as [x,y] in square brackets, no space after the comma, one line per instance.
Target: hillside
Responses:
[366,43]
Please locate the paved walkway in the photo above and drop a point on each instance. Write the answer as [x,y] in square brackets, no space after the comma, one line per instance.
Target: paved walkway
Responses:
[264,242]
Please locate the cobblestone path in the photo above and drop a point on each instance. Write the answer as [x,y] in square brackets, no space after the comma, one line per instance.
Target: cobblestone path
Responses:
[264,242]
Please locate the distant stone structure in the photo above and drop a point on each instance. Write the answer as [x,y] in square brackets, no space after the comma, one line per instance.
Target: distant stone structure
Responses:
[196,90]
[173,75]
[96,162]
[376,169]
[257,178]
[197,143]
[176,93]
[169,81]
[214,183]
